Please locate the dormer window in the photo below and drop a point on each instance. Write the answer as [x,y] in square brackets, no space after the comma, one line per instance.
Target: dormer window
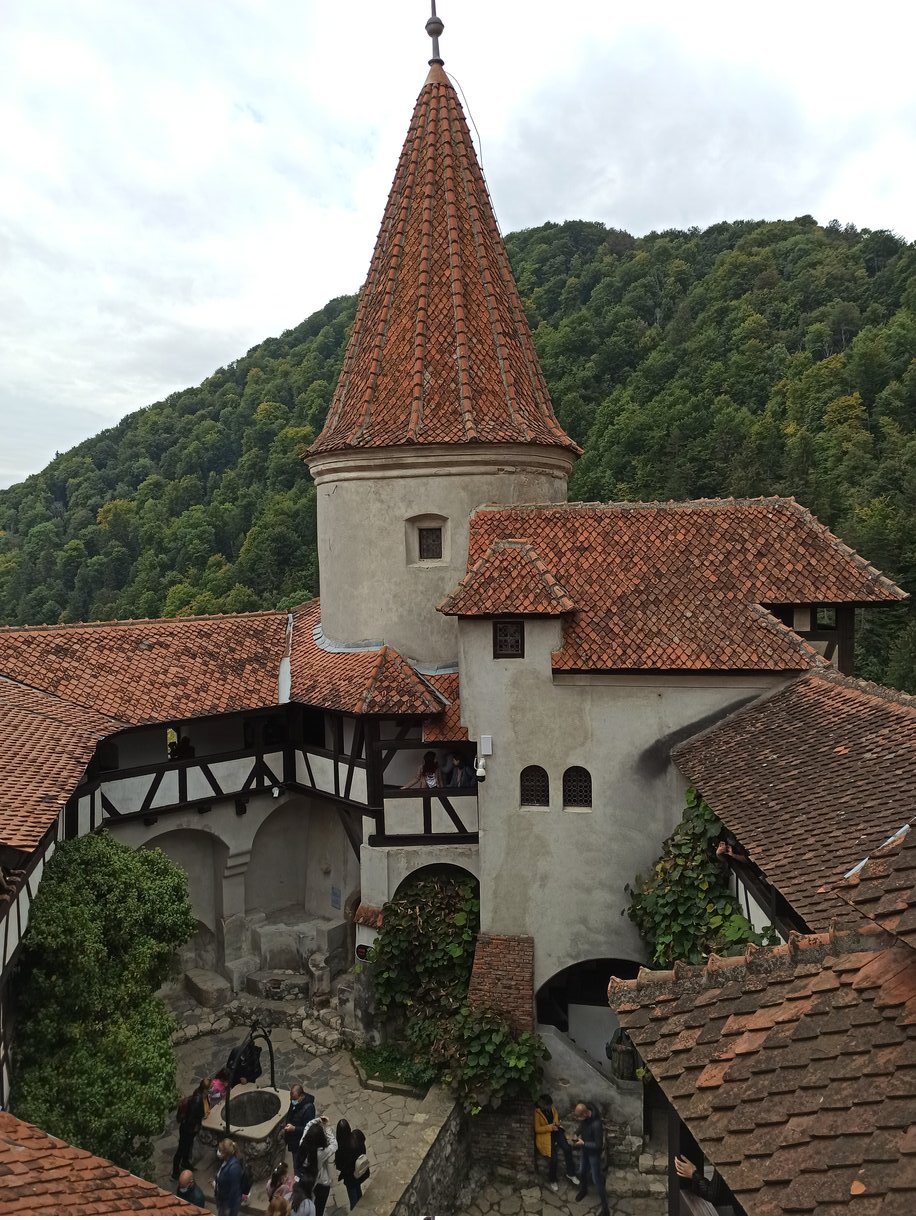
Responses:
[509,637]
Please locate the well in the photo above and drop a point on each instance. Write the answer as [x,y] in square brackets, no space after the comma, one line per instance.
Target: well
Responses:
[255,1123]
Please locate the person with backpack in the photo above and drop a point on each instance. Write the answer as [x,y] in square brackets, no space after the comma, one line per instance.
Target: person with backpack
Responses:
[192,1110]
[351,1146]
[319,1144]
[228,1185]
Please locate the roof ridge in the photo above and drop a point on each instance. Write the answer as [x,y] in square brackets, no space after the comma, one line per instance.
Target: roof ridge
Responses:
[905,701]
[143,622]
[651,985]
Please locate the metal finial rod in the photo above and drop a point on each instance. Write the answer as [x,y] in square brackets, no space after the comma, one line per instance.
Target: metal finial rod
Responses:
[434,28]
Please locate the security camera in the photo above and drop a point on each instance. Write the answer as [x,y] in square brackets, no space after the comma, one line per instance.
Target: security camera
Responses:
[480,769]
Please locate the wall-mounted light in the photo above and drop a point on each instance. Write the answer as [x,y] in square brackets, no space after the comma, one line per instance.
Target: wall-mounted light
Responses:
[150,820]
[204,808]
[241,805]
[275,791]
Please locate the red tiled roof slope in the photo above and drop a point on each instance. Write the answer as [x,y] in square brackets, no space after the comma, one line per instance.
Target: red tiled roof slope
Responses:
[884,889]
[47,745]
[509,578]
[793,1067]
[440,351]
[680,585]
[810,778]
[375,680]
[152,670]
[43,1176]
[447,725]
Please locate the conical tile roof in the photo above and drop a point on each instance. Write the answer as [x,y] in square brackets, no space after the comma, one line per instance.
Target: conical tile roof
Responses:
[440,353]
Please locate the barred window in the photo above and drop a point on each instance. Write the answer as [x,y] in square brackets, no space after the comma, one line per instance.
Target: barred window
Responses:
[535,787]
[509,638]
[577,788]
[430,542]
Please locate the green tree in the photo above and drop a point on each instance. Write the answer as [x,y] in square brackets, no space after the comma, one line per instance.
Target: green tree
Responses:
[94,1060]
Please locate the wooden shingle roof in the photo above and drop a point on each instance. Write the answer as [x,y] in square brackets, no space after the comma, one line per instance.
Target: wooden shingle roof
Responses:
[811,779]
[794,1068]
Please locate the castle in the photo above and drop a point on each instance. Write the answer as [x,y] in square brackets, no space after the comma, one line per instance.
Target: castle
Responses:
[550,655]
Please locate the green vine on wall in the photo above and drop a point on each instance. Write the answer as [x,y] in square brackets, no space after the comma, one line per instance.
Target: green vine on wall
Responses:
[684,909]
[422,963]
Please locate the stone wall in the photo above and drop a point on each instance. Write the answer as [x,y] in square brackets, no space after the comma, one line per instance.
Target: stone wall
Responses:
[503,978]
[435,1187]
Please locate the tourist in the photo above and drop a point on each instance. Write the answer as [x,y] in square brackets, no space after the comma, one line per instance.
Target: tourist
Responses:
[350,1146]
[281,1181]
[551,1140]
[192,1110]
[301,1111]
[319,1144]
[279,1206]
[218,1086]
[428,774]
[589,1139]
[303,1200]
[188,1190]
[461,774]
[227,1185]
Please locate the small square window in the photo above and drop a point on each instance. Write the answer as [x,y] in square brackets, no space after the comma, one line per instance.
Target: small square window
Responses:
[825,617]
[509,638]
[430,542]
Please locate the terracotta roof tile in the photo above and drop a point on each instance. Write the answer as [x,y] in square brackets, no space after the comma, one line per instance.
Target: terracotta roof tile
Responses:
[47,744]
[41,1175]
[883,889]
[794,1102]
[447,725]
[153,670]
[509,578]
[810,779]
[374,680]
[440,351]
[369,917]
[673,585]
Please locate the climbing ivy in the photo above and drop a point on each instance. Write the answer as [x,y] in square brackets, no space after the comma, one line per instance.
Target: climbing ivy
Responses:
[421,971]
[683,908]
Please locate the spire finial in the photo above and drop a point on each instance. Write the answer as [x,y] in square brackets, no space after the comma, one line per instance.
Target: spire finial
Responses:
[434,28]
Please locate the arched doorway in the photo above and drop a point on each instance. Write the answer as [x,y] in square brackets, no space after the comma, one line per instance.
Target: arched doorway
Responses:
[575,1001]
[203,857]
[438,870]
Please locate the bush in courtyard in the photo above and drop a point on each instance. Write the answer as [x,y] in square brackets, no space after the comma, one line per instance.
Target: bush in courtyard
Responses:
[684,909]
[93,1057]
[422,963]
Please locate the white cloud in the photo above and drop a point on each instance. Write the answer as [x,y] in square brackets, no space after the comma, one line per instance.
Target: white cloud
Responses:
[178,181]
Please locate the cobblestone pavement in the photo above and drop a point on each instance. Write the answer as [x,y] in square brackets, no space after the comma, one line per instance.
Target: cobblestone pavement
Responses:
[510,1199]
[332,1079]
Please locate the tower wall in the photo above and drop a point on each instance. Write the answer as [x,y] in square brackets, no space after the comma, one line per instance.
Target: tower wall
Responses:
[371,505]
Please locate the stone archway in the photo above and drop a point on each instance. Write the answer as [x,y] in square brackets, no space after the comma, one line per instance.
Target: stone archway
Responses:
[437,870]
[574,1000]
[202,856]
[277,872]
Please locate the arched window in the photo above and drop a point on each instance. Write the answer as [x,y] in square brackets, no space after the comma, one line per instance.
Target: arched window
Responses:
[534,786]
[577,788]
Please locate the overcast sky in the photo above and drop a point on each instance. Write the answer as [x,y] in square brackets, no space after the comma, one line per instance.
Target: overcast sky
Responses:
[180,179]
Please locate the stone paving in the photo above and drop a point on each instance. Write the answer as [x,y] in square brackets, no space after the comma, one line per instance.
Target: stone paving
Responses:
[498,1198]
[384,1117]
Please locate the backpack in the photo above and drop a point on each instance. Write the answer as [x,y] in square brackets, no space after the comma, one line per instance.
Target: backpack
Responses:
[245,1180]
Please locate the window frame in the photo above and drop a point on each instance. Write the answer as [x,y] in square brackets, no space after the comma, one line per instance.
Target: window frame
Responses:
[545,804]
[500,654]
[567,804]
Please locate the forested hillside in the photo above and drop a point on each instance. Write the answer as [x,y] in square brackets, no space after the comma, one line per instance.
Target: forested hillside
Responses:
[750,358]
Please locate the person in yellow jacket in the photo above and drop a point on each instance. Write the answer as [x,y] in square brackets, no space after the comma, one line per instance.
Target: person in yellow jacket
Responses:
[550,1139]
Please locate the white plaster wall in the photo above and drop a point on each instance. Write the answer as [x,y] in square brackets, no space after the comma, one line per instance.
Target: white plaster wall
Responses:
[384,868]
[369,589]
[275,877]
[203,858]
[559,875]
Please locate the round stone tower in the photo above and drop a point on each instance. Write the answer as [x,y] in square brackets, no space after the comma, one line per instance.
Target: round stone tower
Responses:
[441,405]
